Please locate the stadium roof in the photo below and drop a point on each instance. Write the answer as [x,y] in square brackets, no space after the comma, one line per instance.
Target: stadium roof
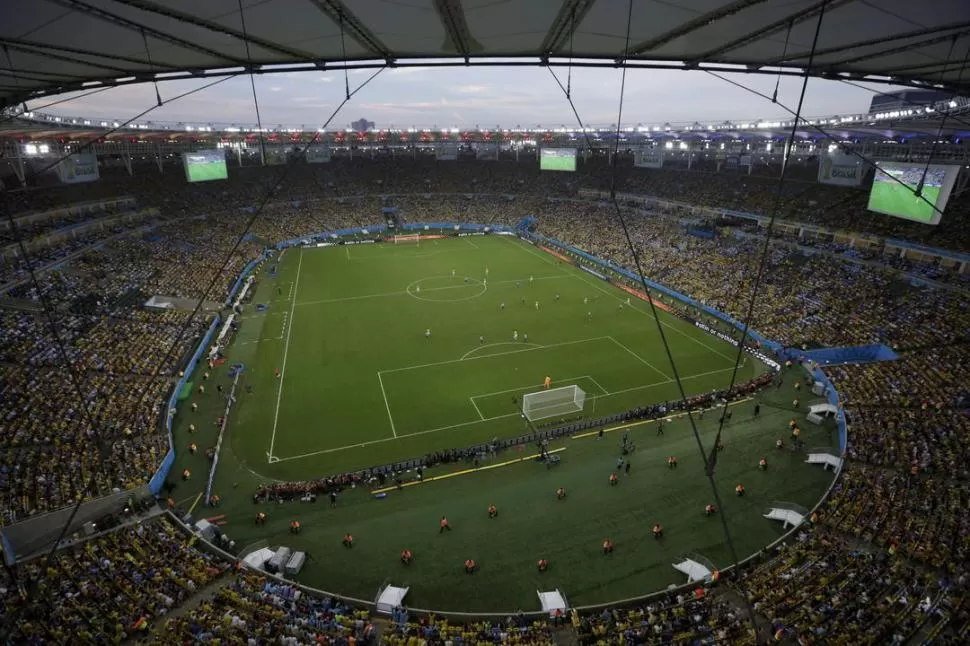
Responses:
[55,46]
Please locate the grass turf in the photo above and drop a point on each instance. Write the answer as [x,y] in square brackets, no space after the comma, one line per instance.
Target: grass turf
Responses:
[351,321]
[204,172]
[897,199]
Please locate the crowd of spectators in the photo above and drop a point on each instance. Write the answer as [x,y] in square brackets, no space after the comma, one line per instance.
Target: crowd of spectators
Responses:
[251,609]
[801,297]
[106,589]
[826,587]
[885,560]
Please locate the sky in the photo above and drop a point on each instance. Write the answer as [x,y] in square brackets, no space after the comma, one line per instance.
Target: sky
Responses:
[467,97]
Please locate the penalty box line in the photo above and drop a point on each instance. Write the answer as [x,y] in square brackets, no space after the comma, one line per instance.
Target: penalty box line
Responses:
[392,439]
[471,423]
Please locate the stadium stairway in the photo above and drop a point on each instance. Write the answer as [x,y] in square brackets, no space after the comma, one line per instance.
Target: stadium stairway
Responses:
[204,593]
[20,304]
[565,636]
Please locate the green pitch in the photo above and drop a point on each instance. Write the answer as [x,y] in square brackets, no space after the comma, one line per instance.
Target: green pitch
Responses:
[363,385]
[897,199]
[207,172]
[557,162]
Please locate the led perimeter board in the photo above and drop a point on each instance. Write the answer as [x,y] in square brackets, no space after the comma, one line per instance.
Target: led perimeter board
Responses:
[895,185]
[557,159]
[205,165]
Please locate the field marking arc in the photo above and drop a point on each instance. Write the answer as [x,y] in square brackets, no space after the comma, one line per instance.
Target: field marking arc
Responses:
[582,278]
[476,282]
[492,345]
[286,351]
[497,354]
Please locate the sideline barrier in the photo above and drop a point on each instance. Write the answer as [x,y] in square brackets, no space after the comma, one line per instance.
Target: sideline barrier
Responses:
[242,276]
[872,353]
[155,484]
[663,289]
[854,354]
[230,402]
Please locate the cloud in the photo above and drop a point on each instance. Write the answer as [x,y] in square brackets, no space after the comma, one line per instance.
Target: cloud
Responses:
[472,89]
[487,96]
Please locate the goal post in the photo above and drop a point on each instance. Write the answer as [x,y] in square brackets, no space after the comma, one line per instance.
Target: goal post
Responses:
[554,402]
[408,239]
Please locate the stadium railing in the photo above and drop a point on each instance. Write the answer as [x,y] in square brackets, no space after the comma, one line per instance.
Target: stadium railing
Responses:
[779,351]
[158,480]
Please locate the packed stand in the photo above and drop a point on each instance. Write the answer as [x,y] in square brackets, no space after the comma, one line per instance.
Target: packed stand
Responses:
[823,586]
[106,589]
[691,617]
[256,610]
[801,298]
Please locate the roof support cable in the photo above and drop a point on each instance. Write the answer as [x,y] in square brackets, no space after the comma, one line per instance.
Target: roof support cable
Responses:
[939,131]
[784,55]
[151,66]
[343,52]
[834,138]
[709,473]
[171,353]
[13,72]
[763,262]
[252,85]
[569,72]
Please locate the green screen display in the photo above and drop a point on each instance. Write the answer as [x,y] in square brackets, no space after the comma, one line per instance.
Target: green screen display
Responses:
[205,165]
[895,186]
[557,159]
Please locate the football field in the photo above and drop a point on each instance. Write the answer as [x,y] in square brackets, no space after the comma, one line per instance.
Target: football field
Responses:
[894,198]
[361,384]
[391,351]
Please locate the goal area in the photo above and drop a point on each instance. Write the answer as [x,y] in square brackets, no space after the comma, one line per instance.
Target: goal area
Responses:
[554,402]
[408,239]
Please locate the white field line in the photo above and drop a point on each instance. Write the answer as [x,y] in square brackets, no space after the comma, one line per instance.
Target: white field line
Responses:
[494,345]
[286,350]
[430,289]
[642,360]
[598,385]
[662,383]
[479,421]
[347,249]
[399,437]
[477,409]
[617,297]
[470,242]
[497,354]
[386,405]
[274,338]
[527,386]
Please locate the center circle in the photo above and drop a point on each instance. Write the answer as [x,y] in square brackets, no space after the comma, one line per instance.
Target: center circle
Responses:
[446,289]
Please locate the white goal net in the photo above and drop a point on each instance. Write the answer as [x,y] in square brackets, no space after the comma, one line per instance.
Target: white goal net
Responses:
[553,403]
[408,239]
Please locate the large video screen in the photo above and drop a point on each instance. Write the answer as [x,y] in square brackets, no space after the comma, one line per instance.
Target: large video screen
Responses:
[557,159]
[205,165]
[894,190]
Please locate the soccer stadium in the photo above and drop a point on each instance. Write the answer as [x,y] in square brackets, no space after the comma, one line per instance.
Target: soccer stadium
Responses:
[696,382]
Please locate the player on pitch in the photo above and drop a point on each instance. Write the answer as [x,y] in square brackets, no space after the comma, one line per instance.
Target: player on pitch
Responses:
[547,382]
